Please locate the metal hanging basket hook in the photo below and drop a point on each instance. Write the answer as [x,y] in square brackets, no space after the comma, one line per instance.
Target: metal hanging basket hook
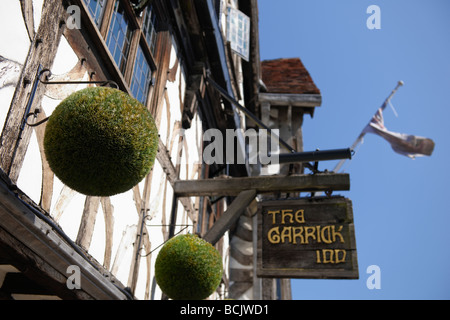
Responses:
[48,81]
[48,76]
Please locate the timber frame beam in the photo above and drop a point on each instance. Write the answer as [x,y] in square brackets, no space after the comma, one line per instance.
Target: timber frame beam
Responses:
[262,184]
[16,135]
[234,211]
[295,100]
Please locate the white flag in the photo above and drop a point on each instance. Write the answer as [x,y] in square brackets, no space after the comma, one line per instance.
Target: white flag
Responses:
[405,144]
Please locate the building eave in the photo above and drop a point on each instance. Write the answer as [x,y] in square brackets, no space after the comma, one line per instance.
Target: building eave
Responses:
[23,227]
[294,100]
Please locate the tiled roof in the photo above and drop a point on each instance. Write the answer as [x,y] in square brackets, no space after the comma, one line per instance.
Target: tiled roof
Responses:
[287,76]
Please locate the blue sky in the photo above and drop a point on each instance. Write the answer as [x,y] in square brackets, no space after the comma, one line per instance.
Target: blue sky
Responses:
[400,206]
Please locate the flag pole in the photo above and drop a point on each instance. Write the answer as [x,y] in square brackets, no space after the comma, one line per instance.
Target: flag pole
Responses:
[363,133]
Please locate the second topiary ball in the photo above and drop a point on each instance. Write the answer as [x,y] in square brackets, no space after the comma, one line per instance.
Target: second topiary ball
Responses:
[188,268]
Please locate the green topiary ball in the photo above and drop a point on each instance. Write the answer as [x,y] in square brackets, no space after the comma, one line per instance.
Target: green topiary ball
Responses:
[188,268]
[100,141]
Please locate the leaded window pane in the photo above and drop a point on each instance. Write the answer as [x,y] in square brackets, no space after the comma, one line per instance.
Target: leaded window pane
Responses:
[96,9]
[119,36]
[142,76]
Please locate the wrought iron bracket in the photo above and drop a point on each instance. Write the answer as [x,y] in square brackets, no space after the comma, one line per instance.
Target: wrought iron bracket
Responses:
[47,81]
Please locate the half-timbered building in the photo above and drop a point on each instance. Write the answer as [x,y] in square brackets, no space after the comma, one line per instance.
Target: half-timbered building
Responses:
[195,65]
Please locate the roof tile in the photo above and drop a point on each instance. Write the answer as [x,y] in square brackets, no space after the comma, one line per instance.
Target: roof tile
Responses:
[287,76]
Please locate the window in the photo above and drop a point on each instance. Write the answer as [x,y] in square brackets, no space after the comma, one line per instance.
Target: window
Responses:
[142,75]
[149,28]
[96,9]
[119,36]
[238,32]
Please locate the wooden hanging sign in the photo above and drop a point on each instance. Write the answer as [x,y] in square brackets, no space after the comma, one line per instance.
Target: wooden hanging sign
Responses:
[307,238]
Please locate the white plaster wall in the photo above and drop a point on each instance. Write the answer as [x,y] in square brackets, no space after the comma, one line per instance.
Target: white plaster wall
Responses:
[12,31]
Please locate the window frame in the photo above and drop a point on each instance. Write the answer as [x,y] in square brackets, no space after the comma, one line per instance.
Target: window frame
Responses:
[138,39]
[102,14]
[150,81]
[152,46]
[125,44]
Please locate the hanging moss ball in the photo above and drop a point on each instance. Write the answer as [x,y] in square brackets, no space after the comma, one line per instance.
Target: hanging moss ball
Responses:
[100,141]
[188,268]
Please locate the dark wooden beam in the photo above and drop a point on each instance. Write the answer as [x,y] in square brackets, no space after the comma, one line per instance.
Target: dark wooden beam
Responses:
[42,251]
[19,283]
[165,161]
[262,184]
[16,135]
[295,100]
[230,216]
[33,267]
